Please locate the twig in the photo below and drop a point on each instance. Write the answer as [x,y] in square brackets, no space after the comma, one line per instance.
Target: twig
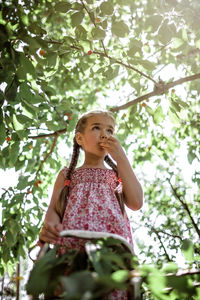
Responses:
[125,65]
[185,206]
[160,240]
[48,153]
[158,91]
[55,133]
[104,54]
[85,7]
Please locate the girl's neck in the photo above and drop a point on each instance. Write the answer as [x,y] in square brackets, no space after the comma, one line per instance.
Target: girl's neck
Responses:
[97,163]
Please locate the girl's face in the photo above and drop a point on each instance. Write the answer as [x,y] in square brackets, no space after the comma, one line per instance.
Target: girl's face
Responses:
[98,128]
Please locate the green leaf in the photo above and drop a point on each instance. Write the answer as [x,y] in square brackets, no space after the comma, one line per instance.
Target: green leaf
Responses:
[177,42]
[173,117]
[11,91]
[119,28]
[2,128]
[17,124]
[26,65]
[10,239]
[191,156]
[166,32]
[154,22]
[80,32]
[26,93]
[107,8]
[170,267]
[158,115]
[51,58]
[77,18]
[23,119]
[23,182]
[2,98]
[98,34]
[148,64]
[111,73]
[14,152]
[36,29]
[63,6]
[187,250]
[120,276]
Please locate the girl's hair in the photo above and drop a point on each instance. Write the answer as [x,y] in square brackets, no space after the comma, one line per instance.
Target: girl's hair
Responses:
[60,204]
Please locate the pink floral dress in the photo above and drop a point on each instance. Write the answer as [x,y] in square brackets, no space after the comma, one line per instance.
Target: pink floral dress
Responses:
[92,205]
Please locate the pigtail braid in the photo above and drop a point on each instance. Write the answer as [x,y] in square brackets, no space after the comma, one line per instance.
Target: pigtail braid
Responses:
[120,196]
[61,203]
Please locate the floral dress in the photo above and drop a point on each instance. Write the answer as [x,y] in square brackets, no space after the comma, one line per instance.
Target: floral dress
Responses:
[92,205]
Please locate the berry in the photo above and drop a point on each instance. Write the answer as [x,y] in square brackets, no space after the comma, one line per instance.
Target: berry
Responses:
[97,20]
[36,184]
[30,146]
[173,91]
[8,139]
[90,52]
[29,192]
[144,104]
[42,52]
[124,116]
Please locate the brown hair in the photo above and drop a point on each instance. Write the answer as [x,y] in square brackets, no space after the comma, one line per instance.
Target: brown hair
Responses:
[60,205]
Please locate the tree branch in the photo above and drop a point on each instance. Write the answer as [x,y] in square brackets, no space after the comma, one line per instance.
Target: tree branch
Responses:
[48,153]
[104,54]
[159,90]
[55,133]
[85,7]
[185,206]
[160,240]
[125,65]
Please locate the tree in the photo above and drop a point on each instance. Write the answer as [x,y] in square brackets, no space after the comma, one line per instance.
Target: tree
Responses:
[61,58]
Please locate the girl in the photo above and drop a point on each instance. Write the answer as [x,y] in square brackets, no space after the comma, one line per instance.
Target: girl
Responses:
[91,197]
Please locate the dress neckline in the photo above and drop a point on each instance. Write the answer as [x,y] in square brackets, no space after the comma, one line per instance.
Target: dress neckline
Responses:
[92,168]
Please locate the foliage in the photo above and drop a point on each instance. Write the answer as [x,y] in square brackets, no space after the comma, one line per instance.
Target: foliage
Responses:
[104,266]
[59,59]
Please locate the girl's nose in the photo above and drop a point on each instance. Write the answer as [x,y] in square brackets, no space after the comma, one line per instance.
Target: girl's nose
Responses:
[103,136]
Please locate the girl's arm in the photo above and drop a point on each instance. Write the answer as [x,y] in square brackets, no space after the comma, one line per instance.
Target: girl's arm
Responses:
[52,222]
[131,186]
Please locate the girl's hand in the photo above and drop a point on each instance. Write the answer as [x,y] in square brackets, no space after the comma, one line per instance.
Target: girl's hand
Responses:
[113,147]
[50,232]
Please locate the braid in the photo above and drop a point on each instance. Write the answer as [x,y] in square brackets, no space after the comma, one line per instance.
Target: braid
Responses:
[61,203]
[111,163]
[120,196]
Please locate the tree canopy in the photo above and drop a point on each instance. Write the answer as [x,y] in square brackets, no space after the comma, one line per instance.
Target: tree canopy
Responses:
[139,59]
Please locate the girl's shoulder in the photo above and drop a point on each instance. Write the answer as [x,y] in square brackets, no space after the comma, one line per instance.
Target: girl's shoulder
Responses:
[64,171]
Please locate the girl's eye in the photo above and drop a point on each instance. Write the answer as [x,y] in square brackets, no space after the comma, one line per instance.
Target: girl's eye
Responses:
[110,131]
[95,127]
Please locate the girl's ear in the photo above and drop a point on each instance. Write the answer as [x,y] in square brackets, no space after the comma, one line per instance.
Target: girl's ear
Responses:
[79,138]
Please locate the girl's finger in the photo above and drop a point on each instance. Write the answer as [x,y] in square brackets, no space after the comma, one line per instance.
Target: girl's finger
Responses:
[51,229]
[48,238]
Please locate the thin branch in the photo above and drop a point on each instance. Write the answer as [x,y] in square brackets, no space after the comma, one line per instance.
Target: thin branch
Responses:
[160,240]
[48,153]
[125,65]
[185,206]
[104,54]
[85,7]
[171,235]
[194,272]
[159,90]
[55,133]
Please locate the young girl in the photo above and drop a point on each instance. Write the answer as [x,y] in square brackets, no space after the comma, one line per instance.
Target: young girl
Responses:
[89,197]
